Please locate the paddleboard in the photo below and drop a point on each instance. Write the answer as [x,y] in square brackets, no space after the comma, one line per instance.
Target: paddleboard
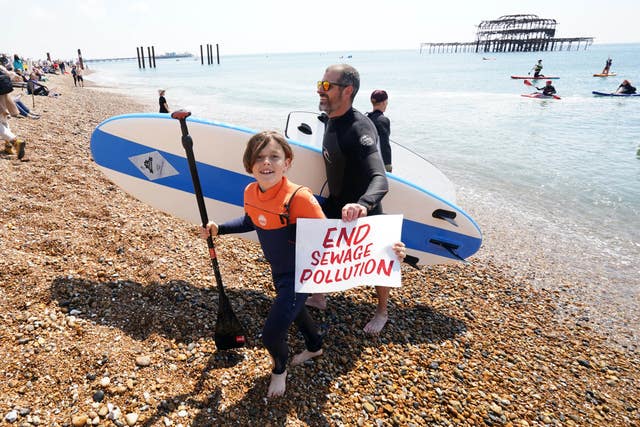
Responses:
[624,95]
[604,75]
[306,127]
[142,154]
[539,95]
[535,78]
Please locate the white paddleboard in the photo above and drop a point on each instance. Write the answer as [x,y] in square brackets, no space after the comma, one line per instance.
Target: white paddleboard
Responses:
[306,127]
[143,154]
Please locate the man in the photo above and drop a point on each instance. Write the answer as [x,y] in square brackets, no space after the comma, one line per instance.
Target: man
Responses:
[355,172]
[547,89]
[379,102]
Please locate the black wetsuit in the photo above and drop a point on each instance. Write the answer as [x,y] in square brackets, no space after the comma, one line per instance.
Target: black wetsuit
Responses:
[355,172]
[383,125]
[163,101]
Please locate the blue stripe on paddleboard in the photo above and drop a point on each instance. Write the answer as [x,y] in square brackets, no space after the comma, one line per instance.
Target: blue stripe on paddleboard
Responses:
[416,235]
[113,152]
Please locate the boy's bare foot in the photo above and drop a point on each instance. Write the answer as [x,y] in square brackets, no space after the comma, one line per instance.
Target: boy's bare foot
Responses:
[318,301]
[300,358]
[376,324]
[278,385]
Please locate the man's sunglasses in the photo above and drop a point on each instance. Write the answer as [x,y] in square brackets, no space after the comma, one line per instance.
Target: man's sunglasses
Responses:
[326,85]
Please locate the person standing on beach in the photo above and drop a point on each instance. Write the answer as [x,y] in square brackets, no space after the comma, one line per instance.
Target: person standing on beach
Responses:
[355,173]
[74,74]
[267,201]
[164,107]
[79,76]
[379,101]
[7,109]
[537,68]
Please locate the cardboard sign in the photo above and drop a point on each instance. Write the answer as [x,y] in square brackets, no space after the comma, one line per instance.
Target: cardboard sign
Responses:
[332,255]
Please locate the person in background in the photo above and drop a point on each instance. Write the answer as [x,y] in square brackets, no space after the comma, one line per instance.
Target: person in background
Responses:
[74,74]
[355,173]
[379,101]
[24,110]
[537,68]
[547,89]
[79,73]
[625,88]
[11,142]
[164,107]
[18,64]
[607,66]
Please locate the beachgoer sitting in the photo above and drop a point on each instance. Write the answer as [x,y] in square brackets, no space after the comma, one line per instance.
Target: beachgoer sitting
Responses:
[625,88]
[35,88]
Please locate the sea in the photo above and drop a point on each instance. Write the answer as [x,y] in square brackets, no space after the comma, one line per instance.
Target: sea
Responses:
[553,184]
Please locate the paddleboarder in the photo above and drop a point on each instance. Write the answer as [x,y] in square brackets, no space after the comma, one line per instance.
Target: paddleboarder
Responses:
[626,88]
[537,68]
[607,66]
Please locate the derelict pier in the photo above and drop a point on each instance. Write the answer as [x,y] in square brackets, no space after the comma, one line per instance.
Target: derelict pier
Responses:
[512,33]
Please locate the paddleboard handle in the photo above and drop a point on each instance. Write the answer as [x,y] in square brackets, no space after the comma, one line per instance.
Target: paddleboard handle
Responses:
[229,333]
[305,129]
[445,215]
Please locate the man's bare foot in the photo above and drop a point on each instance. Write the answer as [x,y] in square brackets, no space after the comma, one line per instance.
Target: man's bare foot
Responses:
[300,358]
[278,385]
[376,324]
[318,301]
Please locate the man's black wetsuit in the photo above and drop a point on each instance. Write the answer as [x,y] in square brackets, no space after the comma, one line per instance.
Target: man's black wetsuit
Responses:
[355,172]
[383,125]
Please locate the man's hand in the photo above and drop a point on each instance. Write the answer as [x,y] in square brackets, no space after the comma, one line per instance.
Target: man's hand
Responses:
[352,211]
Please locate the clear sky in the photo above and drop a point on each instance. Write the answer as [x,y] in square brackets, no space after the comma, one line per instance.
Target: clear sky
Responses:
[113,28]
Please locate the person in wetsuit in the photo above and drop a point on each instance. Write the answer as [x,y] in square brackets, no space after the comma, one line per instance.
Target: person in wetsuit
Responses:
[607,66]
[547,89]
[355,173]
[626,88]
[379,101]
[272,206]
[537,68]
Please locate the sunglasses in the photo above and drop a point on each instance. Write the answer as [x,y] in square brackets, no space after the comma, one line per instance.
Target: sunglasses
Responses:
[326,85]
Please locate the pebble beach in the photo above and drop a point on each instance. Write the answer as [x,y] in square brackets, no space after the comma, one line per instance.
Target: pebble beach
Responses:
[108,316]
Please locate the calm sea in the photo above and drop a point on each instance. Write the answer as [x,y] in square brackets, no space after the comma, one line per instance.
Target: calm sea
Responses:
[561,178]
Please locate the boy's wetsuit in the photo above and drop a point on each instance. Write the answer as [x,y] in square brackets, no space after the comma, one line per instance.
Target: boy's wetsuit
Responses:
[355,172]
[383,126]
[275,223]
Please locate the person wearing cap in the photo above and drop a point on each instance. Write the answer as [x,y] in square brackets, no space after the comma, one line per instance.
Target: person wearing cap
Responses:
[379,101]
[164,107]
[547,89]
[625,88]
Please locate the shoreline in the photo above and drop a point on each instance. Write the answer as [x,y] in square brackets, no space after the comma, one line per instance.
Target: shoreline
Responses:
[96,284]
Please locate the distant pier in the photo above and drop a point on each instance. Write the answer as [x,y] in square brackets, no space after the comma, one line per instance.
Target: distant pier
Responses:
[512,33]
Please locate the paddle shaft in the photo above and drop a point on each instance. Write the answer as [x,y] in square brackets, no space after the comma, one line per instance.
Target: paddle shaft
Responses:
[229,332]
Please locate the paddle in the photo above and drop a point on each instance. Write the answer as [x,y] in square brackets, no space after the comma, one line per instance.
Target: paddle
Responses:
[528,83]
[229,333]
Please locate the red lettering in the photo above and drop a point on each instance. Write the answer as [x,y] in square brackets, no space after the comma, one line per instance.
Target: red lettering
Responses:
[385,271]
[306,274]
[328,241]
[366,228]
[336,257]
[343,236]
[314,257]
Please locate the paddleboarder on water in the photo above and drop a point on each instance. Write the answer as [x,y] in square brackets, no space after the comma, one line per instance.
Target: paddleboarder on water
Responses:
[537,68]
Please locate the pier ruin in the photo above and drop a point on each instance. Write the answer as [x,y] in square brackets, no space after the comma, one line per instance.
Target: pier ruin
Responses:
[512,33]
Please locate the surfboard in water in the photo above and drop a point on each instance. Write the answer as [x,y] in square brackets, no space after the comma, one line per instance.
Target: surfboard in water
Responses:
[143,154]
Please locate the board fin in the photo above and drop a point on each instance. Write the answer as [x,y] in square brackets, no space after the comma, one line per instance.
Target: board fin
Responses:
[450,247]
[446,215]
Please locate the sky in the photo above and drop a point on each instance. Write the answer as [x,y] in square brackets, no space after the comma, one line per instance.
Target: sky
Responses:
[114,28]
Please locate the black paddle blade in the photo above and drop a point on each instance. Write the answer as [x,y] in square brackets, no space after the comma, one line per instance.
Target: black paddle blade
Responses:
[229,333]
